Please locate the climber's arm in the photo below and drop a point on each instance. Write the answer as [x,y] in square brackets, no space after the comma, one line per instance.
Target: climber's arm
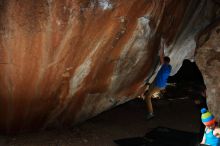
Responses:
[161,51]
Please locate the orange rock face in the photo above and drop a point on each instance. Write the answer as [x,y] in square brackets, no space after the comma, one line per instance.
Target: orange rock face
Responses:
[65,61]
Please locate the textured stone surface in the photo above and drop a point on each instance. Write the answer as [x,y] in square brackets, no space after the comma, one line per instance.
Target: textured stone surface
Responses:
[208,60]
[65,61]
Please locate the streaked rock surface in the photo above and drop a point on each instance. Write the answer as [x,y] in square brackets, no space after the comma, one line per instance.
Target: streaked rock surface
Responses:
[65,61]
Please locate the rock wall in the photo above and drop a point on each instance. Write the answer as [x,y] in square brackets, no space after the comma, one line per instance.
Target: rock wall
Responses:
[208,60]
[64,61]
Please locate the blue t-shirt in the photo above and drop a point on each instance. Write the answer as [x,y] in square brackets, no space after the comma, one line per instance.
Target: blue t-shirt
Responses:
[162,76]
[211,139]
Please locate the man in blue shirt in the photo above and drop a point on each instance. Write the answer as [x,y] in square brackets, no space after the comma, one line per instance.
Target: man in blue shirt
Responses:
[159,82]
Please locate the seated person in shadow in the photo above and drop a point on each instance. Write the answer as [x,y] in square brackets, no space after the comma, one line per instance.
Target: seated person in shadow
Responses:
[189,82]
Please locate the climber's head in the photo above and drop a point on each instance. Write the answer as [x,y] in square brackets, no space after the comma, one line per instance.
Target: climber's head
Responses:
[166,59]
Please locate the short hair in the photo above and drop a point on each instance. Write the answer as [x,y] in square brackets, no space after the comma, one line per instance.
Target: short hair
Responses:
[166,59]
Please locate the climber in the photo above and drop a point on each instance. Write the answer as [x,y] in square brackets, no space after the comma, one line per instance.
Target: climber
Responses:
[159,82]
[212,132]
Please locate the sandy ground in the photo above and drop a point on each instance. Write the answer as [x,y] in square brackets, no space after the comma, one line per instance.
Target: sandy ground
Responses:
[127,120]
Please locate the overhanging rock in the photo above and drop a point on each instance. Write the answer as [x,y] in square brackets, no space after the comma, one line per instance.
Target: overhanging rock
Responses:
[66,61]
